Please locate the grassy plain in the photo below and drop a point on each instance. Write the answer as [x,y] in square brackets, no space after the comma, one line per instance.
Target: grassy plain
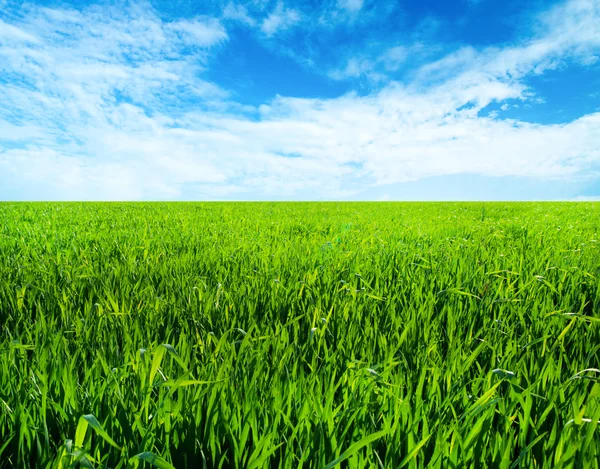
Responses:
[300,335]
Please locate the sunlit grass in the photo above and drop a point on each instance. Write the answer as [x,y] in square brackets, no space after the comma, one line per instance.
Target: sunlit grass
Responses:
[299,335]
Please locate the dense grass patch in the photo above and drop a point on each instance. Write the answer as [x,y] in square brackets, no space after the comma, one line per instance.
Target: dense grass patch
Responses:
[300,335]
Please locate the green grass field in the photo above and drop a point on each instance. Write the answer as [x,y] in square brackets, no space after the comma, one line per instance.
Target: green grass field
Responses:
[265,335]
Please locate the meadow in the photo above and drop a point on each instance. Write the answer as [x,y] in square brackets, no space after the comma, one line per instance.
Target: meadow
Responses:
[288,335]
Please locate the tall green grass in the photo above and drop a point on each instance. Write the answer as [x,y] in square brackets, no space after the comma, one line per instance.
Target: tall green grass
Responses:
[318,335]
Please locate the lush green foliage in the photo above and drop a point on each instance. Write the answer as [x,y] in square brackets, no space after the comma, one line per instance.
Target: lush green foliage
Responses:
[300,335]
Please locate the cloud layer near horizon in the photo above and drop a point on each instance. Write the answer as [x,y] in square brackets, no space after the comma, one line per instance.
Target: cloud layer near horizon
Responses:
[113,103]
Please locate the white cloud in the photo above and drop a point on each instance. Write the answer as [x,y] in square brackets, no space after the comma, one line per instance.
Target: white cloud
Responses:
[280,19]
[9,32]
[350,5]
[394,57]
[238,13]
[202,32]
[115,107]
[354,68]
[66,177]
[570,30]
[375,69]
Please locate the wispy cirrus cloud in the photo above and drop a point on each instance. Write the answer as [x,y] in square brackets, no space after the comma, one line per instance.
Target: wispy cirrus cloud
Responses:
[569,31]
[376,68]
[239,13]
[11,33]
[113,104]
[80,86]
[199,32]
[280,19]
[350,5]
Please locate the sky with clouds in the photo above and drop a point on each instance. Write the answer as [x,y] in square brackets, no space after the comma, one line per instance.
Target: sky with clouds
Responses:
[300,100]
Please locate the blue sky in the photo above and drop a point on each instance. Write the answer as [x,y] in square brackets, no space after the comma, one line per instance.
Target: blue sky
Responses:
[300,100]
